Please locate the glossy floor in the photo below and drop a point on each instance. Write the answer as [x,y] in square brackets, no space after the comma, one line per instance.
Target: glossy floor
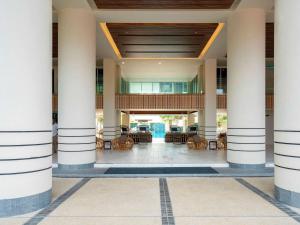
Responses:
[145,201]
[166,153]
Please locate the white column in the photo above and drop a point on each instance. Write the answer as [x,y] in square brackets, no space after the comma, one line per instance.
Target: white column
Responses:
[111,124]
[126,119]
[246,88]
[201,123]
[287,108]
[210,110]
[76,88]
[191,119]
[25,98]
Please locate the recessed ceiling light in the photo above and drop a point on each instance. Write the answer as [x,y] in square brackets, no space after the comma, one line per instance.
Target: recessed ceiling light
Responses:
[159,63]
[123,63]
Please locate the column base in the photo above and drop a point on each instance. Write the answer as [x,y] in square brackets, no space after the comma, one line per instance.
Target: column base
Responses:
[246,166]
[287,197]
[23,205]
[76,167]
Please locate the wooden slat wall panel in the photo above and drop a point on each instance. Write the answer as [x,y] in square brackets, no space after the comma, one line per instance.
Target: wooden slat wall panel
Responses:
[99,101]
[270,101]
[54,103]
[159,101]
[221,102]
[176,101]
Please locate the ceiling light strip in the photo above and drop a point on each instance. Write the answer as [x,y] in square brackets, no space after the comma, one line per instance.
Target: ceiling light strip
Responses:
[211,40]
[110,39]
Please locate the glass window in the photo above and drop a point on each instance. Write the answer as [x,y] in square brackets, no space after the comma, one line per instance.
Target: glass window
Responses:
[155,88]
[147,88]
[185,87]
[178,87]
[99,80]
[135,88]
[166,87]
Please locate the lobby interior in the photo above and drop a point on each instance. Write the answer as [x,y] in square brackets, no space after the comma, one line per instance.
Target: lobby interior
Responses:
[187,105]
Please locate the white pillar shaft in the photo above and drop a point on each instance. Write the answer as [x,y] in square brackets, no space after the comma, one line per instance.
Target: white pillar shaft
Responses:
[287,110]
[76,88]
[210,110]
[111,124]
[201,123]
[246,88]
[25,115]
[126,119]
[191,119]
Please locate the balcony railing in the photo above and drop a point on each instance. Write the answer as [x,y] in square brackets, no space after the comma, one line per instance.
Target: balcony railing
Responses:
[160,101]
[222,101]
[164,101]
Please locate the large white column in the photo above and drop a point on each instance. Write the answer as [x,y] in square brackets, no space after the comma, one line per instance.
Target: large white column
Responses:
[25,99]
[287,108]
[190,119]
[126,119]
[210,110]
[76,88]
[246,88]
[111,124]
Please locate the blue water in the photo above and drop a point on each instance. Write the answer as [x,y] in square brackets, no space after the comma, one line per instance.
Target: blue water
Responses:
[158,130]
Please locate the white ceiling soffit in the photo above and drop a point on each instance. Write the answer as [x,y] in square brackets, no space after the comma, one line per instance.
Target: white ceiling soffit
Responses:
[61,4]
[162,16]
[159,70]
[104,50]
[218,49]
[267,5]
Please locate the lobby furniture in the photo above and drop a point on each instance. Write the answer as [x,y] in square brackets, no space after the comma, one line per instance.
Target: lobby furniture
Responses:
[141,137]
[99,143]
[122,143]
[222,141]
[169,137]
[178,138]
[197,143]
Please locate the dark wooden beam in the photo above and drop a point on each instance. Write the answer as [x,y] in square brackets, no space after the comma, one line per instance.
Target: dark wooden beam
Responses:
[164,4]
[154,40]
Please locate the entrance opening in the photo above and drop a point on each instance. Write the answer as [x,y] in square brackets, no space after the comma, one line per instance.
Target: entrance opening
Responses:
[168,146]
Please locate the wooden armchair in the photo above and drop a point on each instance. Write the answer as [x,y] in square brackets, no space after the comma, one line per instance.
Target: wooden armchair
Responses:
[99,143]
[222,141]
[197,143]
[122,143]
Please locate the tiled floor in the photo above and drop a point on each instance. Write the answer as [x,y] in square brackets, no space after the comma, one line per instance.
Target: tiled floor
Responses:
[165,153]
[142,201]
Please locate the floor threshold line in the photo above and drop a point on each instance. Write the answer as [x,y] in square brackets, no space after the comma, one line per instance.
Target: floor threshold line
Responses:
[56,203]
[270,199]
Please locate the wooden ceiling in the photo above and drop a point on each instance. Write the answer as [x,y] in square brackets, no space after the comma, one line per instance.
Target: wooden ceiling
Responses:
[161,40]
[54,40]
[164,4]
[270,40]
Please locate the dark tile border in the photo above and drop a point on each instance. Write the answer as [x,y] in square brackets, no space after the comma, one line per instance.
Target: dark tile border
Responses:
[288,197]
[23,205]
[45,212]
[76,167]
[269,199]
[167,216]
[246,166]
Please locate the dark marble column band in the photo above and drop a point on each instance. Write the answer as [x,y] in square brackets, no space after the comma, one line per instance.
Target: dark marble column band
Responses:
[23,205]
[287,197]
[246,166]
[75,167]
